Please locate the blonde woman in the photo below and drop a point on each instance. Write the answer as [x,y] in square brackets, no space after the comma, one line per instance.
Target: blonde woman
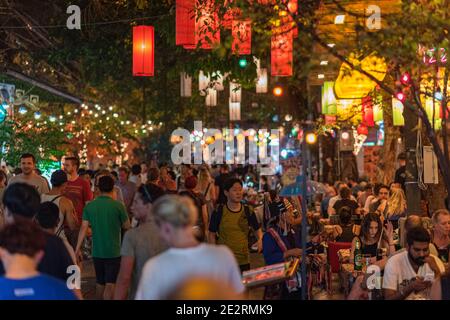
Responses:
[186,258]
[396,206]
[205,186]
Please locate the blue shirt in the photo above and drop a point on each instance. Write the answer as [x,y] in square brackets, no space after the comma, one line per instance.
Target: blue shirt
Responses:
[41,287]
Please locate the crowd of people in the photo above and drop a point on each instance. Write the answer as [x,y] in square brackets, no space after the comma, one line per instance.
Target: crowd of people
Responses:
[151,231]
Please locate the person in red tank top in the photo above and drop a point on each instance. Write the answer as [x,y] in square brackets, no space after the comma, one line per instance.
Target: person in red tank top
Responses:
[78,190]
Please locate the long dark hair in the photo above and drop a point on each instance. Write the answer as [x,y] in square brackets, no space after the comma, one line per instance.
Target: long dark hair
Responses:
[150,192]
[365,226]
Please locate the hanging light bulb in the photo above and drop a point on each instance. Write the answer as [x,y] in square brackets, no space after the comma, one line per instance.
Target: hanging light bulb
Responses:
[52,118]
[22,110]
[37,115]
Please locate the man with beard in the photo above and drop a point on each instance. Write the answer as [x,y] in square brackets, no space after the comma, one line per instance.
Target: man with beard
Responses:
[409,274]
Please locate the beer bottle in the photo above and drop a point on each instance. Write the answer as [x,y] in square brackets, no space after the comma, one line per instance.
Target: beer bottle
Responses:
[357,256]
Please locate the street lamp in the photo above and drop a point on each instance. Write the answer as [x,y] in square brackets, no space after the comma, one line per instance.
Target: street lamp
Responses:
[310,138]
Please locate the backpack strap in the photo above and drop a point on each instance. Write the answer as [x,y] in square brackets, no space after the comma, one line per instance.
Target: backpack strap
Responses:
[55,198]
[220,213]
[207,189]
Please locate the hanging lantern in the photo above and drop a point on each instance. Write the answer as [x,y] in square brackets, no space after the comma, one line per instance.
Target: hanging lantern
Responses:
[329,103]
[203,83]
[185,23]
[207,30]
[367,111]
[397,112]
[292,6]
[235,111]
[281,53]
[352,84]
[235,92]
[242,37]
[378,109]
[429,108]
[363,130]
[143,51]
[262,82]
[230,15]
[211,97]
[185,85]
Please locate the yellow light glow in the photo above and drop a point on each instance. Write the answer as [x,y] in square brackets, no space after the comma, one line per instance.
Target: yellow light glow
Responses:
[352,84]
[311,138]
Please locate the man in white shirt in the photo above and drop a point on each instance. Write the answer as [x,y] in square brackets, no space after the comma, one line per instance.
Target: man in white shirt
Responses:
[186,258]
[409,275]
[29,175]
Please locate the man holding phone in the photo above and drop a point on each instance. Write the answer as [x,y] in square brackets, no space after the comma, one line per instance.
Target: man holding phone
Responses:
[409,275]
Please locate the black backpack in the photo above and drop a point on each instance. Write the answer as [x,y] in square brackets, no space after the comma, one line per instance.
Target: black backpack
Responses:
[220,212]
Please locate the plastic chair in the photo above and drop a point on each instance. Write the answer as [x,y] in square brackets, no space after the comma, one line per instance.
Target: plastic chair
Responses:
[333,262]
[333,258]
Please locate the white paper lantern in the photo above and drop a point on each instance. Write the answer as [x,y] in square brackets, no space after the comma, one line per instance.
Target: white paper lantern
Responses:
[185,85]
[211,97]
[261,84]
[203,83]
[235,111]
[235,92]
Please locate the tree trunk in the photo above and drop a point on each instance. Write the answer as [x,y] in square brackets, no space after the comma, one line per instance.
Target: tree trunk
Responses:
[386,165]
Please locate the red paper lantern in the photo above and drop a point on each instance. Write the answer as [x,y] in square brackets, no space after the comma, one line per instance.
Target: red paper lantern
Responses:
[292,6]
[367,111]
[281,53]
[229,16]
[143,51]
[207,32]
[363,130]
[242,36]
[185,23]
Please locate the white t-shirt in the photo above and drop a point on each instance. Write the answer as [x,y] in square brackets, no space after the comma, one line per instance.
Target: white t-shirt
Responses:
[163,273]
[398,273]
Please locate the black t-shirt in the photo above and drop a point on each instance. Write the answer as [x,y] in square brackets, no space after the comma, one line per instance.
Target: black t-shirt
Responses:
[400,176]
[220,181]
[346,203]
[56,259]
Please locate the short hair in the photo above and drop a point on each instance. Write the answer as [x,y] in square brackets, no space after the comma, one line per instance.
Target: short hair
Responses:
[225,167]
[345,215]
[28,155]
[417,234]
[368,186]
[75,161]
[150,192]
[114,174]
[106,183]
[378,188]
[22,199]
[172,174]
[230,182]
[412,222]
[153,174]
[136,169]
[124,169]
[22,238]
[437,213]
[176,210]
[48,215]
[345,192]
[401,156]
